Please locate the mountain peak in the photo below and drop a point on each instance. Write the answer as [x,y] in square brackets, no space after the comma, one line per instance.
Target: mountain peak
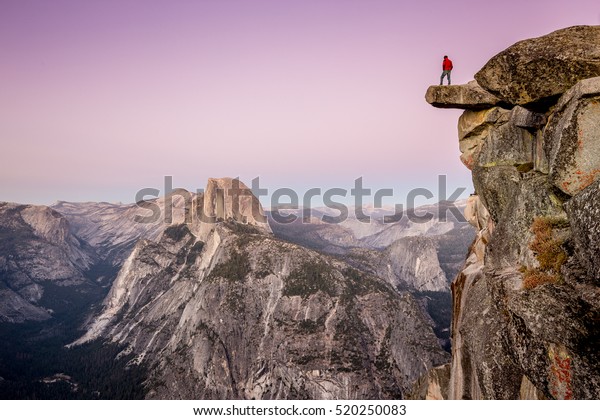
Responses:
[229,199]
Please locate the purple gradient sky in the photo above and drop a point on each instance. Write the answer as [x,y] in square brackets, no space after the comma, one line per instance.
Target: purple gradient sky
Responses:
[99,99]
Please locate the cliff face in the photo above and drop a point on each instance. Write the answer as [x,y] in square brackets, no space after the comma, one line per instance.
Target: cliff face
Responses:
[526,318]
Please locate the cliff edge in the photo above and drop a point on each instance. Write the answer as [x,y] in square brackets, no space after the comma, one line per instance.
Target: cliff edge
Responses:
[526,303]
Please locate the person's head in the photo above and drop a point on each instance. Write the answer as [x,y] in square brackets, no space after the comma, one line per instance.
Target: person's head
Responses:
[445,56]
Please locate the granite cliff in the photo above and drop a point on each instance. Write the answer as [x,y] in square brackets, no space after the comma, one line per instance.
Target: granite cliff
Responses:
[526,305]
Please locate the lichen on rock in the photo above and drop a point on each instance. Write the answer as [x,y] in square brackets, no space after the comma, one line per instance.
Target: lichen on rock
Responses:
[526,308]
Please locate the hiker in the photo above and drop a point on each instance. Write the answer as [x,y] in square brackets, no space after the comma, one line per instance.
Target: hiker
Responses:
[447,69]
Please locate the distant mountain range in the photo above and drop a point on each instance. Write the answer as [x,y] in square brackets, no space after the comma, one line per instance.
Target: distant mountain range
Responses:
[425,264]
[215,309]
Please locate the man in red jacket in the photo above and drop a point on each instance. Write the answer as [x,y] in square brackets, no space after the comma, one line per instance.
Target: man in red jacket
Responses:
[446,70]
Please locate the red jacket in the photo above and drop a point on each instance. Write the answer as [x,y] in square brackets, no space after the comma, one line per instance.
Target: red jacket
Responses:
[447,64]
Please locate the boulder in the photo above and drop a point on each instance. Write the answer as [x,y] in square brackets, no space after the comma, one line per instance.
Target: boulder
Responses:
[493,137]
[469,96]
[535,71]
[572,138]
[507,144]
[472,123]
[474,127]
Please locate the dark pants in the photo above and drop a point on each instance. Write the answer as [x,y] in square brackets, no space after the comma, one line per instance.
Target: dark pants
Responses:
[444,74]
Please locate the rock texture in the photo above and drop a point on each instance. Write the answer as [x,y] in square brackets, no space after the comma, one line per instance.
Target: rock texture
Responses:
[572,138]
[433,386]
[226,310]
[534,72]
[584,214]
[231,199]
[419,258]
[113,229]
[414,261]
[474,127]
[469,96]
[526,320]
[39,260]
[412,255]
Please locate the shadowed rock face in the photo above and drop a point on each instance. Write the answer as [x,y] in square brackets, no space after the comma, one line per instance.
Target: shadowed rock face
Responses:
[53,259]
[76,248]
[526,318]
[534,72]
[39,258]
[584,213]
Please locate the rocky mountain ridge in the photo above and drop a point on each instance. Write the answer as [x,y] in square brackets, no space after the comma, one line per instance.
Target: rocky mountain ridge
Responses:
[113,229]
[423,256]
[52,257]
[226,310]
[41,263]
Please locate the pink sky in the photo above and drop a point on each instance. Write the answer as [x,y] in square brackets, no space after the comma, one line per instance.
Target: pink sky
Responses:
[99,99]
